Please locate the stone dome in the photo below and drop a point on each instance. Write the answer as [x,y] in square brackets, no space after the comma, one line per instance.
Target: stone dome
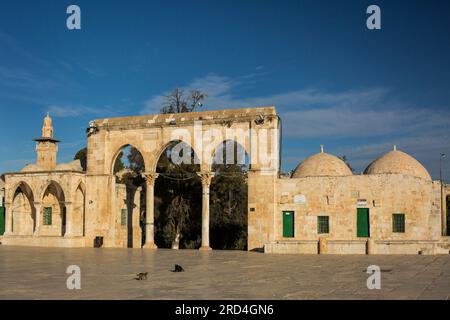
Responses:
[31,168]
[322,165]
[71,166]
[398,162]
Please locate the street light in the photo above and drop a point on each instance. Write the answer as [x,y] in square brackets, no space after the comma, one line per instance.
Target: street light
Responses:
[443,218]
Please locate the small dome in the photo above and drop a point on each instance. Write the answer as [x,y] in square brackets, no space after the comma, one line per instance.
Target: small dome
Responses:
[322,165]
[31,168]
[398,162]
[71,166]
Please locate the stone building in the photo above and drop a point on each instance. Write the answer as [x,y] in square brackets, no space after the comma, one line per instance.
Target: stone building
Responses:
[394,207]
[2,206]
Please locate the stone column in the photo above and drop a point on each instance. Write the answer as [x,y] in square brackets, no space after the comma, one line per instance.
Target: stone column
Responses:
[8,218]
[206,178]
[38,209]
[69,220]
[150,178]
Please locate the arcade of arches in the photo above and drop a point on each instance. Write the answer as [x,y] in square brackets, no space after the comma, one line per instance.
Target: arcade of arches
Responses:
[393,208]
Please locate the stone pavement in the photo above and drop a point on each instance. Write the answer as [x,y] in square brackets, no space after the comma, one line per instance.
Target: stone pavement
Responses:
[40,273]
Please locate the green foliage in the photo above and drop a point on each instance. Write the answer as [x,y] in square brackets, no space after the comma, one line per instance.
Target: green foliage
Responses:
[119,165]
[177,182]
[136,162]
[82,156]
[229,194]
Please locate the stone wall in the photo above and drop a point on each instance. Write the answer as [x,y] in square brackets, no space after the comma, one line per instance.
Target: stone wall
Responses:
[339,197]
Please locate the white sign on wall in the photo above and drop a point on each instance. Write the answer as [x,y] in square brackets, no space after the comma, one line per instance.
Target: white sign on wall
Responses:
[300,199]
[361,203]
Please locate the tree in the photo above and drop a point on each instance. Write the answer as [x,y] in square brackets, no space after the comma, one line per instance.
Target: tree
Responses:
[136,162]
[229,203]
[344,158]
[179,102]
[177,181]
[178,191]
[119,165]
[82,156]
[177,216]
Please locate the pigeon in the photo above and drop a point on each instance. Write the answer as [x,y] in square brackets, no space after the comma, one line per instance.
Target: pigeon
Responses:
[178,268]
[142,276]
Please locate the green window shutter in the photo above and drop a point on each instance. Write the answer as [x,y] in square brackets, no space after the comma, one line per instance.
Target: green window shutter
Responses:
[48,216]
[398,222]
[323,224]
[362,223]
[123,217]
[2,220]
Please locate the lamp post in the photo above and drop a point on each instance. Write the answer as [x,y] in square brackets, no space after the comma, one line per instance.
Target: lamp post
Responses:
[443,217]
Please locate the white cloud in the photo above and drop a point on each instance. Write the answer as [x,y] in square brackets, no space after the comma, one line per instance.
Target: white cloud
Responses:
[358,116]
[77,111]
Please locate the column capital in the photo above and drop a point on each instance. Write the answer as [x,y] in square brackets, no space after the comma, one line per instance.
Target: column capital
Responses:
[206,177]
[150,177]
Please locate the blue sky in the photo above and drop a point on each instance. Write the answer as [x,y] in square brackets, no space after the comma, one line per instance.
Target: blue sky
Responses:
[333,81]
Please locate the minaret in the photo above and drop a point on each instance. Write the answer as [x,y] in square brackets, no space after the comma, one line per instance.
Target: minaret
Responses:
[47,147]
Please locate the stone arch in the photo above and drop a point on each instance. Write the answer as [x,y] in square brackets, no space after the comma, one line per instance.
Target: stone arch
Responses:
[164,148]
[22,210]
[241,152]
[80,185]
[174,187]
[126,203]
[58,188]
[12,191]
[447,210]
[52,215]
[117,153]
[78,218]
[229,196]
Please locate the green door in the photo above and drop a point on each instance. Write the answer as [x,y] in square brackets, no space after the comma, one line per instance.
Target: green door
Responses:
[448,216]
[288,224]
[362,223]
[2,221]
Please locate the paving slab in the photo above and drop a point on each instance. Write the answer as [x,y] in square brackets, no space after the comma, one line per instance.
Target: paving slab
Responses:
[109,274]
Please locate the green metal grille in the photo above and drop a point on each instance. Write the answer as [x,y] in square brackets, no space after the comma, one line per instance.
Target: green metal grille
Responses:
[123,217]
[323,224]
[48,216]
[398,222]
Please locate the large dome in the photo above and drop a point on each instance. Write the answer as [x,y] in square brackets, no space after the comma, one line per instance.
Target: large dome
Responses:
[322,165]
[31,168]
[398,162]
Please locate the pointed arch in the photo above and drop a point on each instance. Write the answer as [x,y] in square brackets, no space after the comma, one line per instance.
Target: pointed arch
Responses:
[168,145]
[23,211]
[52,217]
[59,191]
[80,185]
[25,188]
[229,196]
[78,214]
[117,153]
[220,154]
